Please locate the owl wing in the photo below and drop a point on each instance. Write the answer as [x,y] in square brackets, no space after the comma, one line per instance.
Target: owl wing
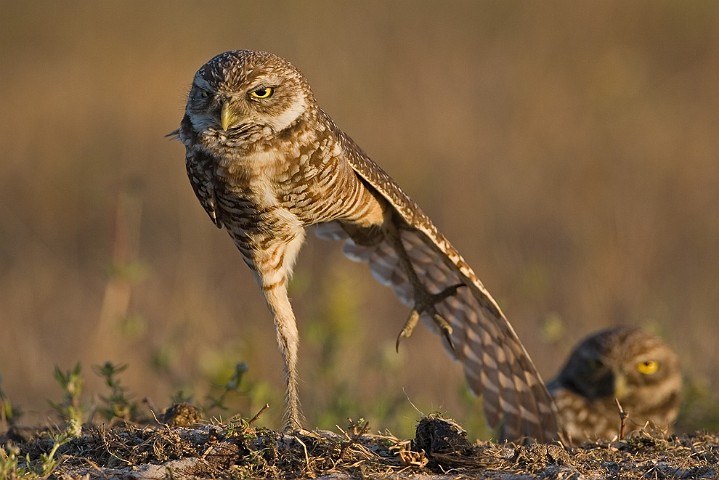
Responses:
[495,363]
[199,170]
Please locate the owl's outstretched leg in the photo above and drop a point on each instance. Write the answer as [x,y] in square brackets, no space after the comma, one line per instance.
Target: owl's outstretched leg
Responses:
[424,301]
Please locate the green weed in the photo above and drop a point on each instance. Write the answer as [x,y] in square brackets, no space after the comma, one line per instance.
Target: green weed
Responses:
[70,409]
[8,412]
[13,466]
[117,404]
[231,386]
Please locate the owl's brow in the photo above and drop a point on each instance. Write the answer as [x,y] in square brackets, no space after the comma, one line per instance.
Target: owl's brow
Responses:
[264,81]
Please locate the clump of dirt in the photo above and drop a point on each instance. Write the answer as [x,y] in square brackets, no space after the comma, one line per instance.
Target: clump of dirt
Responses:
[185,447]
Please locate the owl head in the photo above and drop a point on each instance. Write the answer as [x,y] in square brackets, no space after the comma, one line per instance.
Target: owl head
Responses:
[241,93]
[624,363]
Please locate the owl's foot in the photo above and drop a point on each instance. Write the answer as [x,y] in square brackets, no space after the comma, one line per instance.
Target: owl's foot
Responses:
[293,422]
[424,303]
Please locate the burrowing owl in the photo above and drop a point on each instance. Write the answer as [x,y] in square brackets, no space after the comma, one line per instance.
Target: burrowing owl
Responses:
[625,364]
[266,162]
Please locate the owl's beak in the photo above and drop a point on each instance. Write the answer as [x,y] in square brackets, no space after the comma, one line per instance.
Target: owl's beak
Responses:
[620,385]
[228,116]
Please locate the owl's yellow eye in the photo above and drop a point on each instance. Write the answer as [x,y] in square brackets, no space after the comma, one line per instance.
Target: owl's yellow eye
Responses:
[204,94]
[262,92]
[648,367]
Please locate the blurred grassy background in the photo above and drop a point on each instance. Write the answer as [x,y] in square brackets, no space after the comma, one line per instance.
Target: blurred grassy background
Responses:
[568,149]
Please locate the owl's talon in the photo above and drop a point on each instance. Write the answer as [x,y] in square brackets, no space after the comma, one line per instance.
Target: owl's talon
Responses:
[445,328]
[425,303]
[408,328]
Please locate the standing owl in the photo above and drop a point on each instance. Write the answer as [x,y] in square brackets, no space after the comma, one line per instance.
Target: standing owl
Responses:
[266,162]
[624,364]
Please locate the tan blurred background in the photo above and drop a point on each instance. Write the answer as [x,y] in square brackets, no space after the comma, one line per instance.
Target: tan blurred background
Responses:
[568,149]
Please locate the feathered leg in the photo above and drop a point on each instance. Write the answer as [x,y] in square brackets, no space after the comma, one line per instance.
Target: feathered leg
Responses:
[288,342]
[273,268]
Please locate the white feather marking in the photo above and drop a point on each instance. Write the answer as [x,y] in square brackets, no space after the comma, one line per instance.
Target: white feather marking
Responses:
[284,119]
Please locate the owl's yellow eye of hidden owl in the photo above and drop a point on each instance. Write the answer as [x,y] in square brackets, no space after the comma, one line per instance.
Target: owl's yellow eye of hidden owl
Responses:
[262,92]
[648,367]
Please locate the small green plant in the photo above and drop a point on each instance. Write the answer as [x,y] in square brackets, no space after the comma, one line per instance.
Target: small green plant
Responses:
[8,412]
[232,385]
[116,404]
[47,461]
[9,462]
[13,466]
[236,427]
[70,409]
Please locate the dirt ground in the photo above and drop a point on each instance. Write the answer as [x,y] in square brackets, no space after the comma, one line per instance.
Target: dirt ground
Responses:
[181,446]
